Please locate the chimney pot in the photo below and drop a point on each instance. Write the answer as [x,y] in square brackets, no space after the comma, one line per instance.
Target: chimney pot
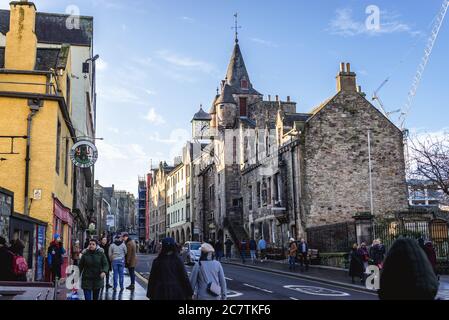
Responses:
[342,67]
[288,98]
[277,98]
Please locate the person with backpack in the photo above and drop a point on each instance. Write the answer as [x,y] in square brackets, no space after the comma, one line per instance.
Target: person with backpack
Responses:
[207,278]
[93,268]
[6,262]
[20,266]
[55,257]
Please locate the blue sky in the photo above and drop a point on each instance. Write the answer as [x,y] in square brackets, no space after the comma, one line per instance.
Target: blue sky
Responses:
[161,59]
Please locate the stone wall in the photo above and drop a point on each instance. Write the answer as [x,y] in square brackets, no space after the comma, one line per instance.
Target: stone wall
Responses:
[336,177]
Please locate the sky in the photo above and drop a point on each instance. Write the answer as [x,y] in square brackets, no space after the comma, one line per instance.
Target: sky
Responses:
[161,59]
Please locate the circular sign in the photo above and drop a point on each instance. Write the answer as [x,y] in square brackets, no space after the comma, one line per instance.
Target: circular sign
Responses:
[84,154]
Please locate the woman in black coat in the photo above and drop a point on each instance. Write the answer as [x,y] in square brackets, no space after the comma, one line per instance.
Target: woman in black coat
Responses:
[168,277]
[356,268]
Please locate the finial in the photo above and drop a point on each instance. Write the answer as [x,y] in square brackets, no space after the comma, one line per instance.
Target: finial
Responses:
[236,28]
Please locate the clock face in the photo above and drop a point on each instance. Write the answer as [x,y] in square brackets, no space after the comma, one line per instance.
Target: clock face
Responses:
[201,129]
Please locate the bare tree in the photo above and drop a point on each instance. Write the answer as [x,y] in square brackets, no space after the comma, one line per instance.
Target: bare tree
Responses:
[429,160]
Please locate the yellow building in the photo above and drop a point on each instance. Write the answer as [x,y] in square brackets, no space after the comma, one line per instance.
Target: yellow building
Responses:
[36,136]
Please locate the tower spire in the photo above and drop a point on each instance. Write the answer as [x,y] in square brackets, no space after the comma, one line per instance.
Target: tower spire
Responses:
[236,27]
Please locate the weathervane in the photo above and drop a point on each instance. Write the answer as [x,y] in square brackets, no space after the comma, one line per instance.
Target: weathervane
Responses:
[236,27]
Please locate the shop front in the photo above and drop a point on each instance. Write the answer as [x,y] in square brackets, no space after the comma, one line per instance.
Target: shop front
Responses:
[62,225]
[6,209]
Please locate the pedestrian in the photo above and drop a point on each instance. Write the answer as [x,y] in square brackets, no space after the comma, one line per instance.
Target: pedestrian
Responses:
[303,254]
[407,273]
[228,245]
[20,266]
[168,277]
[262,246]
[242,249]
[219,249]
[207,278]
[252,250]
[356,264]
[55,257]
[377,253]
[432,256]
[93,268]
[117,255]
[76,253]
[105,246]
[363,252]
[292,251]
[131,260]
[6,262]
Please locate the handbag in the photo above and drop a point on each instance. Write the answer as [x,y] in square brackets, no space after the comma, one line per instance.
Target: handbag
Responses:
[212,288]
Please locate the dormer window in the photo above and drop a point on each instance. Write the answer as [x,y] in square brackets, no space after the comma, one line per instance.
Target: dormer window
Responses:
[244,84]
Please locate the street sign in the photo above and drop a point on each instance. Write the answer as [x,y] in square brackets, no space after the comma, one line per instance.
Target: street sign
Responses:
[110,220]
[37,194]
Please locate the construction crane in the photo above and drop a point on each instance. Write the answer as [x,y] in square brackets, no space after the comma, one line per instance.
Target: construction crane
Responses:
[379,101]
[422,66]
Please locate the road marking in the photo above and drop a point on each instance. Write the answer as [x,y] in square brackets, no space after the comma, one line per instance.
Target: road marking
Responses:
[233,294]
[257,288]
[318,291]
[141,277]
[293,298]
[308,280]
[229,279]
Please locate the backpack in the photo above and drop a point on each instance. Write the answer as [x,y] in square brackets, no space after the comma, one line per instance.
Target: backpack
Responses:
[19,266]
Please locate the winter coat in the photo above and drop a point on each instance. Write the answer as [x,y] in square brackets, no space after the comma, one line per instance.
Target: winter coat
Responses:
[377,254]
[293,249]
[431,255]
[219,247]
[131,258]
[364,254]
[106,252]
[252,245]
[55,254]
[6,260]
[168,279]
[356,268]
[117,251]
[262,245]
[228,244]
[92,265]
[205,271]
[407,273]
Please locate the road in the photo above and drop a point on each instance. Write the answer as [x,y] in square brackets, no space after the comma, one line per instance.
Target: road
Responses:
[249,284]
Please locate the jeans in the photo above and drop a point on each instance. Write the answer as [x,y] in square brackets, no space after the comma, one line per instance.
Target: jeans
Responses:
[132,275]
[119,268]
[253,255]
[292,263]
[91,294]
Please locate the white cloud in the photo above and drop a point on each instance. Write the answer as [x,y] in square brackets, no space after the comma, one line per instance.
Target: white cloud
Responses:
[119,94]
[108,151]
[101,65]
[114,130]
[344,25]
[153,117]
[188,19]
[266,43]
[186,62]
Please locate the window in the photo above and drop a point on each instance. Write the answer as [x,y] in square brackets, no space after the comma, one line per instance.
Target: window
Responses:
[243,107]
[68,98]
[244,84]
[264,193]
[269,191]
[250,204]
[219,208]
[58,147]
[258,195]
[267,145]
[66,162]
[234,150]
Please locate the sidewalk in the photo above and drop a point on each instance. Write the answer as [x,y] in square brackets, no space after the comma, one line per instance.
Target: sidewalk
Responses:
[329,275]
[139,293]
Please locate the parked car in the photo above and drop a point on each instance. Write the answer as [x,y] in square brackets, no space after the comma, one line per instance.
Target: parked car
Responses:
[191,252]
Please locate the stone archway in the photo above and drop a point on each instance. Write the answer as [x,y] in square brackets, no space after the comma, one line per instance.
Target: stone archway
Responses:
[183,236]
[177,236]
[189,235]
[173,235]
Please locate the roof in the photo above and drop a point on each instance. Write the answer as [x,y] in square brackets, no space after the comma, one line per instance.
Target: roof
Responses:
[202,115]
[51,28]
[45,59]
[237,72]
[213,110]
[291,118]
[248,122]
[225,96]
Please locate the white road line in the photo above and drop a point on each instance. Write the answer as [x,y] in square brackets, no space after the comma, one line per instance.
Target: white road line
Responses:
[229,279]
[257,288]
[293,298]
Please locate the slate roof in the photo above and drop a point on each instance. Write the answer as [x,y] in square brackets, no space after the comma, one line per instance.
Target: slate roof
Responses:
[202,115]
[291,118]
[226,95]
[51,28]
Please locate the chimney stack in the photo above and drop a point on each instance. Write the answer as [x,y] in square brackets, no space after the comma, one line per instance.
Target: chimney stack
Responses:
[346,80]
[277,98]
[269,97]
[288,98]
[21,40]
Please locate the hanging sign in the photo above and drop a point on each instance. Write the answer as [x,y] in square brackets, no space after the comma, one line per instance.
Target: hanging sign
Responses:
[84,154]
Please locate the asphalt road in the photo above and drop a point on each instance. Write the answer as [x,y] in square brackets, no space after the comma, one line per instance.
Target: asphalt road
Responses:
[249,284]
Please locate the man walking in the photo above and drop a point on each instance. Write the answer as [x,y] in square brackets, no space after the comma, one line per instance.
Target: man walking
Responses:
[131,259]
[262,246]
[55,257]
[228,245]
[303,255]
[252,250]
